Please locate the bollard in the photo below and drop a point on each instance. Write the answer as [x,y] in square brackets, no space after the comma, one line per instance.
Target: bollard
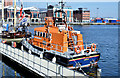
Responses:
[41,55]
[54,60]
[29,51]
[22,47]
[98,73]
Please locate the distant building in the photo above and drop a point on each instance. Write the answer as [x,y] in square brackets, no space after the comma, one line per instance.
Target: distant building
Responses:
[32,11]
[8,2]
[111,20]
[67,9]
[42,14]
[81,15]
[103,20]
[9,12]
[50,12]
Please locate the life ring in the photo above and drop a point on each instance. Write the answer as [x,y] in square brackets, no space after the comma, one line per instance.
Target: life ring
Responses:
[78,49]
[93,47]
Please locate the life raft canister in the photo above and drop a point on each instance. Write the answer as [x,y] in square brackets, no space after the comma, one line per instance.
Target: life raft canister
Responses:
[78,49]
[93,47]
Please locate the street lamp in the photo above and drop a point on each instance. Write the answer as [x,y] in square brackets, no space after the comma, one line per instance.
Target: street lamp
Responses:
[97,12]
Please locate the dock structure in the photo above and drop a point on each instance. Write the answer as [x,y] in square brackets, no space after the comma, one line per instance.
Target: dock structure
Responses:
[37,64]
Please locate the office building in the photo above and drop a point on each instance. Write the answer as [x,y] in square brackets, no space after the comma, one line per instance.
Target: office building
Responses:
[81,15]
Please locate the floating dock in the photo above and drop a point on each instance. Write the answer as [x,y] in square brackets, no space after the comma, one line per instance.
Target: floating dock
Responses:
[37,64]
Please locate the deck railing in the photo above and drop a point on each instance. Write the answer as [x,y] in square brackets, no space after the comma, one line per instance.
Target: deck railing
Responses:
[54,50]
[38,65]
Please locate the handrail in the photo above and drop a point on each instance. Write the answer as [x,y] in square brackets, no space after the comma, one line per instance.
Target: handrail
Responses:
[63,46]
[55,50]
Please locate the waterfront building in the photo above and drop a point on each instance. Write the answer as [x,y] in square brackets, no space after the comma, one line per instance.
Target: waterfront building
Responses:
[32,11]
[42,14]
[9,12]
[67,9]
[50,12]
[8,2]
[103,20]
[111,20]
[81,15]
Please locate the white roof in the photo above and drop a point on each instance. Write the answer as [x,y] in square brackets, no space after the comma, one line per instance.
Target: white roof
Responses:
[110,18]
[18,8]
[30,8]
[11,7]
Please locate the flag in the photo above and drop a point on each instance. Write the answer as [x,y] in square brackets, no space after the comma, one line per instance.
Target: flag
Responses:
[22,13]
[21,10]
[23,16]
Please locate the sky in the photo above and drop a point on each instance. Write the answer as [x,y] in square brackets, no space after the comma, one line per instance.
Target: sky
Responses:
[70,0]
[107,8]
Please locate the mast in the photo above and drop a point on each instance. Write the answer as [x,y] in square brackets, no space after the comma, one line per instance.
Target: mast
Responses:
[2,12]
[14,13]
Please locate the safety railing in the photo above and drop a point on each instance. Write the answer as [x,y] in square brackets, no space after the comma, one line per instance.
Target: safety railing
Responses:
[38,65]
[57,49]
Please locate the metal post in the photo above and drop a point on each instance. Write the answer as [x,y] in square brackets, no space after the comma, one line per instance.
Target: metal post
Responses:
[28,59]
[3,71]
[33,62]
[40,64]
[15,74]
[48,68]
[56,70]
[14,13]
[2,12]
[23,56]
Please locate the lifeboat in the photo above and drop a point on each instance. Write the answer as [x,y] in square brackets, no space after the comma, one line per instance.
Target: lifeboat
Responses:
[62,44]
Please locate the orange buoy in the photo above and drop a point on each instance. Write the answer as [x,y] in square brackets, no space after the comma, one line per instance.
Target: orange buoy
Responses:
[78,49]
[93,47]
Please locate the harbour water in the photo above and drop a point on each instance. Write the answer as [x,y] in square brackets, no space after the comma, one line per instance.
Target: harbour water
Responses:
[106,36]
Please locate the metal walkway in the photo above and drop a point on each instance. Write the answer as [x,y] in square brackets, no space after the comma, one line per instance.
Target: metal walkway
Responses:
[38,65]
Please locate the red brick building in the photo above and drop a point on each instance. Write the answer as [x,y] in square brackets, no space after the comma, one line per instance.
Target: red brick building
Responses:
[81,15]
[8,2]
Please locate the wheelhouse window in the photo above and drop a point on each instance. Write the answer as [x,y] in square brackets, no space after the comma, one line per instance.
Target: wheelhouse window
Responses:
[47,35]
[43,35]
[40,34]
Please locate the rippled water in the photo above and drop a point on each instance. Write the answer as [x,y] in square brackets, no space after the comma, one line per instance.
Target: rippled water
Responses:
[106,36]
